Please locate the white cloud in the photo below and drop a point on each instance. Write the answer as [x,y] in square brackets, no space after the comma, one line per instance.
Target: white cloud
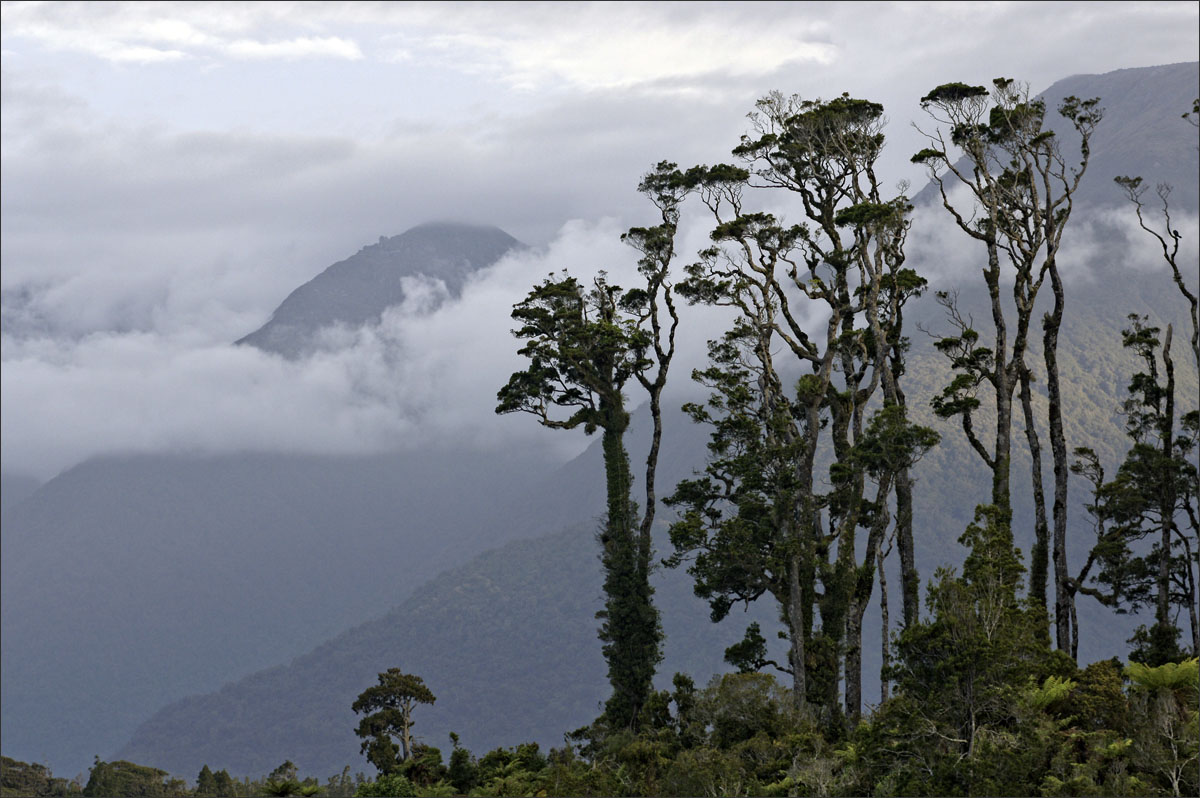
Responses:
[640,45]
[330,46]
[420,377]
[153,32]
[528,46]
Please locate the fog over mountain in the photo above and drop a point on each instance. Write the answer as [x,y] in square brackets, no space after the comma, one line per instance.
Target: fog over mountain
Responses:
[434,259]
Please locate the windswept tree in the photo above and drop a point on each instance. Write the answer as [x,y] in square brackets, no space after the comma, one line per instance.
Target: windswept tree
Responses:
[1021,187]
[388,708]
[755,523]
[584,345]
[1168,238]
[1152,496]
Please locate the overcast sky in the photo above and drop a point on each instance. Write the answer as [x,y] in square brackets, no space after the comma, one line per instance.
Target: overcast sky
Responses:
[171,171]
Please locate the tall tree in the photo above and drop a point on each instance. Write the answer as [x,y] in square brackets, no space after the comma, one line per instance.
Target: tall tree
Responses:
[387,708]
[584,346]
[1153,495]
[754,524]
[1022,190]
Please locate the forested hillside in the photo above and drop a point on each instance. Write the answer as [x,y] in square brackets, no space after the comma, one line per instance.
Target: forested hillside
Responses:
[948,475]
[1094,370]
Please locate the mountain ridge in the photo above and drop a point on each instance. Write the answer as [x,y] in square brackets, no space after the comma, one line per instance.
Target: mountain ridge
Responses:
[358,289]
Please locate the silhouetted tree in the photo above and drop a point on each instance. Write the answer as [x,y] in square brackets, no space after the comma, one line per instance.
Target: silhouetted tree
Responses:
[584,346]
[388,708]
[754,524]
[1022,190]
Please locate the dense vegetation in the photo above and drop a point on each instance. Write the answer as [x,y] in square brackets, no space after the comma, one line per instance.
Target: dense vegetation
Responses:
[807,492]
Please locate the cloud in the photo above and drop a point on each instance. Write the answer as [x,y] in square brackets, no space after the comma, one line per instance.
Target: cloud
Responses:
[1095,237]
[306,47]
[538,46]
[422,377]
[153,214]
[641,45]
[147,33]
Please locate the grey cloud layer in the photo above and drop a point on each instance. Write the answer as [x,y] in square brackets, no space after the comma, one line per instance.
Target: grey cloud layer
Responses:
[153,212]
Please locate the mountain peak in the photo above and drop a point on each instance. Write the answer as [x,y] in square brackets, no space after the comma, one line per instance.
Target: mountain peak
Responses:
[357,290]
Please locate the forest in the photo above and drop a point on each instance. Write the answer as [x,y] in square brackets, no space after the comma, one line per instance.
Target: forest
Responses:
[809,491]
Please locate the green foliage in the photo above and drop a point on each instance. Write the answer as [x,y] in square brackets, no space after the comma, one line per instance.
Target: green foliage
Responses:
[206,782]
[1154,489]
[31,779]
[387,708]
[1182,677]
[583,348]
[127,779]
[392,784]
[948,93]
[1052,692]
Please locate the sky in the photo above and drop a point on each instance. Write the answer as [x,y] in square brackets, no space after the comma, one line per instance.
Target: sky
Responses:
[169,172]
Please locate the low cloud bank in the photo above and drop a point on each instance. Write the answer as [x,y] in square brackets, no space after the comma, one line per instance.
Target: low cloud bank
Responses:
[427,375]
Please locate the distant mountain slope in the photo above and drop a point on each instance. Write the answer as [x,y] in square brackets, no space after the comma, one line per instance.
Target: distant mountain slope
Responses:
[507,643]
[14,489]
[500,656]
[131,582]
[1141,134]
[357,290]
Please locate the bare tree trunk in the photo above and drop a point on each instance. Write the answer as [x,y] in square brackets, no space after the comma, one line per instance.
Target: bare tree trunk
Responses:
[1039,558]
[909,579]
[1064,599]
[645,536]
[860,597]
[406,732]
[1167,497]
[1190,580]
[1002,384]
[885,639]
[797,630]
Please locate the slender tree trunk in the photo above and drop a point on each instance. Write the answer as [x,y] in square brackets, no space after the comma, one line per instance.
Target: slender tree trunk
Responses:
[1001,493]
[910,585]
[1039,558]
[1074,630]
[1064,599]
[1166,499]
[885,637]
[1190,580]
[406,733]
[797,631]
[853,664]
[645,538]
[860,597]
[1002,383]
[910,581]
[630,624]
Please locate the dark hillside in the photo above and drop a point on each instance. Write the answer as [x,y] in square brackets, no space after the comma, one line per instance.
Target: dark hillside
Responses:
[506,643]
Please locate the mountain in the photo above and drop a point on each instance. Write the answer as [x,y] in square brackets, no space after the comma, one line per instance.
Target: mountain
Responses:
[357,290]
[1141,133]
[130,583]
[14,489]
[507,643]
